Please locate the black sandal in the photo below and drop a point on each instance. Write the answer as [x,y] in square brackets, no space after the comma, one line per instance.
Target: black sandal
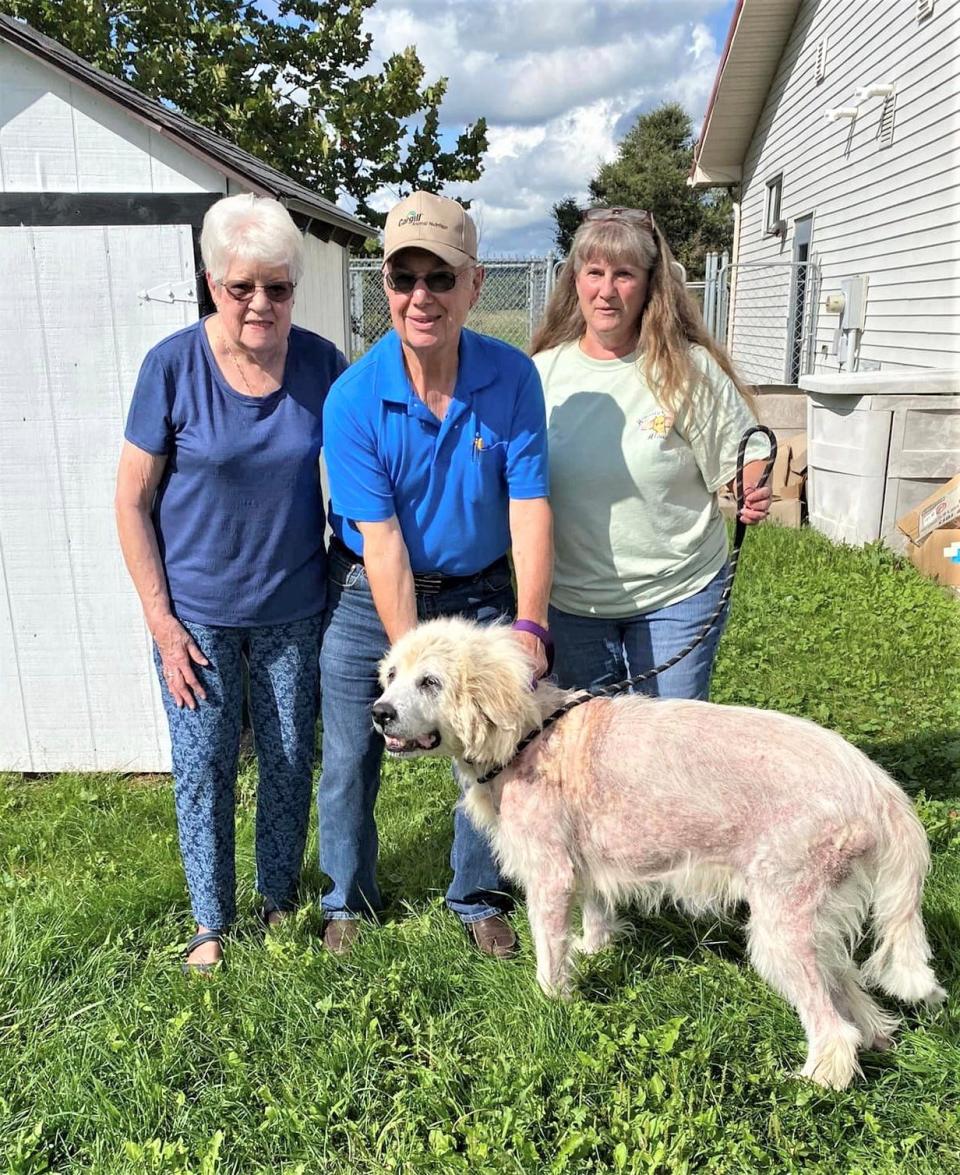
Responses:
[199,940]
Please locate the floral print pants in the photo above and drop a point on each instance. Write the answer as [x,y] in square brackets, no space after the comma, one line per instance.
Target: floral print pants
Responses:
[284,680]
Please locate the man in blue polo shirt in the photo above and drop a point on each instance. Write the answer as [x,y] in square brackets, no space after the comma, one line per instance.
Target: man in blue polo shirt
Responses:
[436,450]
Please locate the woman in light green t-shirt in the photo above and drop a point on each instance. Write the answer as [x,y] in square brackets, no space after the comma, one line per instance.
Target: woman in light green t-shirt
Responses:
[645,416]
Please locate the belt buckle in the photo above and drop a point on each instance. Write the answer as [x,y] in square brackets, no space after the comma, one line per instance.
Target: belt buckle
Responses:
[428,582]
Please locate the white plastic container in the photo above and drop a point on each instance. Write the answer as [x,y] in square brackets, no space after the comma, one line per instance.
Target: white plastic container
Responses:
[878,442]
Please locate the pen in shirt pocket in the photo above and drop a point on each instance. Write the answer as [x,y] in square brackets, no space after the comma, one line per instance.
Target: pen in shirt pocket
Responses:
[477,446]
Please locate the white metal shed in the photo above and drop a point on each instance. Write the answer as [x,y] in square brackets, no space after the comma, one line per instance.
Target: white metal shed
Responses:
[102,193]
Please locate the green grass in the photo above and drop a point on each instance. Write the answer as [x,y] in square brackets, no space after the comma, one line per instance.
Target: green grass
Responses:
[414,1054]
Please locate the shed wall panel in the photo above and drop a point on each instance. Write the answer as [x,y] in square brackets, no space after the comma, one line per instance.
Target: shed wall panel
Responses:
[320,296]
[76,677]
[58,136]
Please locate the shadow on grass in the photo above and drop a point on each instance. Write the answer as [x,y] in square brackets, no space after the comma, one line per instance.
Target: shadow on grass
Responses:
[411,872]
[928,761]
[653,939]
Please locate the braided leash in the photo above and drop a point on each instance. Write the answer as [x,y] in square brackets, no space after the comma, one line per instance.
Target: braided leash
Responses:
[620,687]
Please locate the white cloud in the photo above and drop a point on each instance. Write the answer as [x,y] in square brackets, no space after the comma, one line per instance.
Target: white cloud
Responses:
[558,83]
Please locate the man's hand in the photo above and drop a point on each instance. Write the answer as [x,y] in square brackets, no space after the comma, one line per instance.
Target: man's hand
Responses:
[533,647]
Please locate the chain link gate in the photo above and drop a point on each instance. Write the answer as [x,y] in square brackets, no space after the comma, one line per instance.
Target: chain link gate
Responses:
[765,312]
[510,305]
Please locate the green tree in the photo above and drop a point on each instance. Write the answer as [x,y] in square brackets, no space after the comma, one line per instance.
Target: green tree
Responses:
[295,89]
[650,171]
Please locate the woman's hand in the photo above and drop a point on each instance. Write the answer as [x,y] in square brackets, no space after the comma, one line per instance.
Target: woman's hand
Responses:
[756,504]
[178,652]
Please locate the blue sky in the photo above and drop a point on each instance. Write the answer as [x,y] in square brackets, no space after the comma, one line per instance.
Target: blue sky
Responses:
[559,82]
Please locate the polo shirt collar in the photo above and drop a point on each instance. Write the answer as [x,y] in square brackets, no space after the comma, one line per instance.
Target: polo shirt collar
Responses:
[475,369]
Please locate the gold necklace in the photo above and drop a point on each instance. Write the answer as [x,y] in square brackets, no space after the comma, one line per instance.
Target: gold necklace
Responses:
[236,363]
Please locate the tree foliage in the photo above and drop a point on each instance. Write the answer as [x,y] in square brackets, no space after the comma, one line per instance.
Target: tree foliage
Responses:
[296,89]
[650,171]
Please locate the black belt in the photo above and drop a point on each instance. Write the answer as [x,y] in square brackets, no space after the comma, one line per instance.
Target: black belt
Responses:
[427,583]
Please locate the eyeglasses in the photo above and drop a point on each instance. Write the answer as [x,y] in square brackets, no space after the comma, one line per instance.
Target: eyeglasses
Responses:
[439,281]
[275,291]
[627,215]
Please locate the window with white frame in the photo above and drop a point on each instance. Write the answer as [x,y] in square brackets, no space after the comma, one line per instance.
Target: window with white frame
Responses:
[772,223]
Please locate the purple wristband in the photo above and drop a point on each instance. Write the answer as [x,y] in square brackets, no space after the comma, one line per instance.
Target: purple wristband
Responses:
[542,635]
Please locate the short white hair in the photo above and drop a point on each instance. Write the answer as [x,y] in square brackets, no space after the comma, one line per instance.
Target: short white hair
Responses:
[252,228]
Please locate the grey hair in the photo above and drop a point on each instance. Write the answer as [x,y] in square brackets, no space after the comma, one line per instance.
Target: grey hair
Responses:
[252,228]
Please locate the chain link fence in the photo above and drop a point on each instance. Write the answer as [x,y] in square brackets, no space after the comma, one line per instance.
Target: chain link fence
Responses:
[765,312]
[510,305]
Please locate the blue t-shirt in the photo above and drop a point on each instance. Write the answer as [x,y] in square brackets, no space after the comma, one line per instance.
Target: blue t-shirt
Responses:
[239,510]
[449,483]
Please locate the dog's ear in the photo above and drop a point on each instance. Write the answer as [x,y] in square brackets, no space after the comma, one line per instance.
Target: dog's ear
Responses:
[494,706]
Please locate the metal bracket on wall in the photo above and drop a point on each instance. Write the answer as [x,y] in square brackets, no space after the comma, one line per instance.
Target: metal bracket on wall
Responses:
[182,291]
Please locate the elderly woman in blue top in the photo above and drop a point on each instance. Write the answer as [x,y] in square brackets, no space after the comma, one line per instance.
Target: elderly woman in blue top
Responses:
[436,452]
[221,522]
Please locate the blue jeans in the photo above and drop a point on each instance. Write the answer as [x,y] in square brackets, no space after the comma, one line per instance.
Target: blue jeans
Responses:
[598,651]
[284,688]
[354,642]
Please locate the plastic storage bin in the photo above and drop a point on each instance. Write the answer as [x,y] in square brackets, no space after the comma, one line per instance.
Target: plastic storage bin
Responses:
[878,442]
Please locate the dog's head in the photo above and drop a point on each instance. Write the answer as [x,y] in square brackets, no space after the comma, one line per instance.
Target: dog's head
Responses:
[452,687]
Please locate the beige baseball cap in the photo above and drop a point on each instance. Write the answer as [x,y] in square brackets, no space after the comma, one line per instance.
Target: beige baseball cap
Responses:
[434,223]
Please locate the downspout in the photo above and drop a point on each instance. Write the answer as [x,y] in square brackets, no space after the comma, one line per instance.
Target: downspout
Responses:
[734,259]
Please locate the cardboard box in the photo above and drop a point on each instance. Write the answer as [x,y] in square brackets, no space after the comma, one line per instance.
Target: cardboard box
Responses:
[781,467]
[934,546]
[798,455]
[934,512]
[786,512]
[938,556]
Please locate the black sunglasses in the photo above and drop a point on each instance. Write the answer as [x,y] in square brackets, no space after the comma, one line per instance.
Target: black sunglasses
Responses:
[439,281]
[275,291]
[627,215]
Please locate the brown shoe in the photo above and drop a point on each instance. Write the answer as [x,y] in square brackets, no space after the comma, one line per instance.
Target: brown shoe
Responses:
[339,935]
[493,936]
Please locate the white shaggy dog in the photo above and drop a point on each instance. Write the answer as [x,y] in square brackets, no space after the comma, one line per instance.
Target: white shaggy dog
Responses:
[708,805]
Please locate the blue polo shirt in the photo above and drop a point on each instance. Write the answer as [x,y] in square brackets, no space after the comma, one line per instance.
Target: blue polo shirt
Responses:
[449,483]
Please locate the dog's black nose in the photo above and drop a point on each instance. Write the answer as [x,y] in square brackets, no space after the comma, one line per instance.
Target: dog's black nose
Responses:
[383,713]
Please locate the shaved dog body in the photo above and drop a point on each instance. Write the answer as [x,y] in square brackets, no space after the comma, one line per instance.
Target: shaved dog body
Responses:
[640,800]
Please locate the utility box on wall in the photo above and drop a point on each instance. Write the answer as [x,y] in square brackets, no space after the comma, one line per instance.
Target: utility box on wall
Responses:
[878,444]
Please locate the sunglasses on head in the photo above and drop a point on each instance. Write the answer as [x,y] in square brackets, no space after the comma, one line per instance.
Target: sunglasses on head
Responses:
[627,215]
[275,291]
[438,281]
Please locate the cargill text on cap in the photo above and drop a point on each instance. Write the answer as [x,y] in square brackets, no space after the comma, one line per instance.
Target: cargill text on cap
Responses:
[434,223]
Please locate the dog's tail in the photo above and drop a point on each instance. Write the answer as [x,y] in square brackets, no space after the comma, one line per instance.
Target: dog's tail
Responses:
[899,964]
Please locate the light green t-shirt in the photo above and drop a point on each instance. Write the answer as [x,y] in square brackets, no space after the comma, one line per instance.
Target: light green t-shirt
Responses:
[633,490]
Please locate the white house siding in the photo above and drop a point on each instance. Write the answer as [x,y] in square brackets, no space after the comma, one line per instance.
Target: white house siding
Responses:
[58,136]
[890,212]
[76,683]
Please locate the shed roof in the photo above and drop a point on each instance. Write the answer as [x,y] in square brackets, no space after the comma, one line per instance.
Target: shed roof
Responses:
[758,33]
[228,158]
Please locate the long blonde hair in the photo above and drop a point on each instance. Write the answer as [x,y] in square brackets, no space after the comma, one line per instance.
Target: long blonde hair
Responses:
[669,324]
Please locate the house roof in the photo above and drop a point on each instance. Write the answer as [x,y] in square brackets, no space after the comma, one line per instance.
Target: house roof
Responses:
[228,158]
[755,43]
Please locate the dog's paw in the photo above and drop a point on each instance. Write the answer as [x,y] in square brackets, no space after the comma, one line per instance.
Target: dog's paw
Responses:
[561,991]
[592,944]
